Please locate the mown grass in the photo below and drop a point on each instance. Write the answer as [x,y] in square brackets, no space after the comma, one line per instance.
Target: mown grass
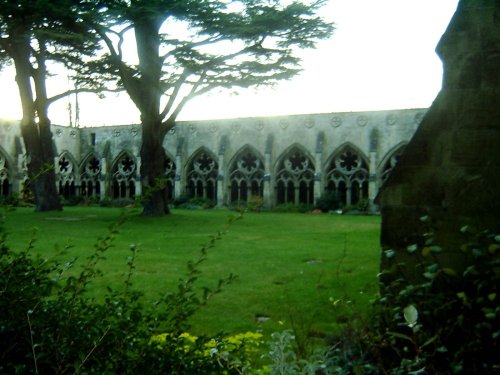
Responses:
[309,271]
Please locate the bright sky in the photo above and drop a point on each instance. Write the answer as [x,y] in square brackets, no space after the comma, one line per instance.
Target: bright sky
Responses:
[381,56]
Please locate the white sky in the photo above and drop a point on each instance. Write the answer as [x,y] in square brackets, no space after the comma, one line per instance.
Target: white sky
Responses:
[381,56]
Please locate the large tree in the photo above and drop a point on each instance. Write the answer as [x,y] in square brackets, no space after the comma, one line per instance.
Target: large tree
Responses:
[33,35]
[186,48]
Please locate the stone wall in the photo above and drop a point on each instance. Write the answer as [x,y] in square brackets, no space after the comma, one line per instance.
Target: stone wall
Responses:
[450,170]
[288,159]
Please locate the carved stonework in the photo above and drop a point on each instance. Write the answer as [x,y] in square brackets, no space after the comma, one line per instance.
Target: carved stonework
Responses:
[284,124]
[391,119]
[362,120]
[335,121]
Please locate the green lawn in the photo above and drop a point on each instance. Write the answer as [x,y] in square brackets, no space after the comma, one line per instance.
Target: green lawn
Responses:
[290,267]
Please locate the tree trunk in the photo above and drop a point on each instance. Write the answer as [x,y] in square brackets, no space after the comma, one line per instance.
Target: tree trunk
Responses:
[155,195]
[147,98]
[37,137]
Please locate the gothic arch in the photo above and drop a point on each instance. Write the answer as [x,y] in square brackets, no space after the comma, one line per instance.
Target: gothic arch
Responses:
[294,176]
[123,175]
[202,172]
[389,162]
[170,168]
[90,176]
[347,174]
[66,174]
[5,174]
[246,175]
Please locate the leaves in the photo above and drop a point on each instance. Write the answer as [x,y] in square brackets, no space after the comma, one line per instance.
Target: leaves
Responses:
[410,314]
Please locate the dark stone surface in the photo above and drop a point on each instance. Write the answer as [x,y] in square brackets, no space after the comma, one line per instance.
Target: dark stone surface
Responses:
[450,170]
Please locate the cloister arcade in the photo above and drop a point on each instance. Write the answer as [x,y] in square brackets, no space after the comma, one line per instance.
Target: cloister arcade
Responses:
[219,162]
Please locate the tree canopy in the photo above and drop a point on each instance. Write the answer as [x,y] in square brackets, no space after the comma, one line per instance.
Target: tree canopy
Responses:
[187,48]
[183,49]
[33,35]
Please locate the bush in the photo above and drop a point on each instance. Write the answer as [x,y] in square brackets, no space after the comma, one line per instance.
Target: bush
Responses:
[255,203]
[74,200]
[193,203]
[291,207]
[329,201]
[449,322]
[363,205]
[50,325]
[11,200]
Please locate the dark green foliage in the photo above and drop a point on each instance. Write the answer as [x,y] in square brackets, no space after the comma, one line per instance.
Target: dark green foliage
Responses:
[449,322]
[328,201]
[50,325]
[193,203]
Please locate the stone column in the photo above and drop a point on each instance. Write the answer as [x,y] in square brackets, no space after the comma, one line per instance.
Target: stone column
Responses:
[137,180]
[268,202]
[372,180]
[318,166]
[221,186]
[177,180]
[269,198]
[317,179]
[220,182]
[372,170]
[103,180]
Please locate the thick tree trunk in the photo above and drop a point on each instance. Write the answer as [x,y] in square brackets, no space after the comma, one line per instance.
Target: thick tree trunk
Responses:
[37,137]
[147,98]
[38,142]
[155,198]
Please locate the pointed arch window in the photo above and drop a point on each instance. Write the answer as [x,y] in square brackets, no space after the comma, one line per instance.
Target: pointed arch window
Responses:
[4,177]
[202,177]
[348,176]
[170,176]
[295,178]
[66,176]
[123,180]
[90,177]
[246,177]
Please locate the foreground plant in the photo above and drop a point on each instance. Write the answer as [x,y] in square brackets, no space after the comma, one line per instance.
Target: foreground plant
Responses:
[50,325]
[449,322]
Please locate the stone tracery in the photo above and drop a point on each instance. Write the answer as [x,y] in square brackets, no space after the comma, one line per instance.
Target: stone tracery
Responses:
[246,177]
[202,177]
[295,178]
[347,175]
[284,161]
[66,175]
[90,177]
[124,176]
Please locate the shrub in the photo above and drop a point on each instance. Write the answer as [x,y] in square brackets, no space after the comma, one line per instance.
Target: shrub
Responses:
[329,201]
[180,201]
[50,325]
[363,205]
[11,200]
[291,207]
[74,200]
[255,203]
[449,322]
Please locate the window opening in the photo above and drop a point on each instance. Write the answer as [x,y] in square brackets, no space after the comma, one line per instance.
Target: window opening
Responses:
[295,179]
[347,175]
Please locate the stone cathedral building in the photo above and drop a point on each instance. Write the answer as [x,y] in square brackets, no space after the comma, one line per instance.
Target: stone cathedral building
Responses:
[286,159]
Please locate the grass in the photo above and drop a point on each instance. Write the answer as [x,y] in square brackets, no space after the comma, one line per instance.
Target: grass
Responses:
[300,270]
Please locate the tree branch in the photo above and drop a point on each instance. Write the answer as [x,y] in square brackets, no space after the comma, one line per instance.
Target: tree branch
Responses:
[80,90]
[175,92]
